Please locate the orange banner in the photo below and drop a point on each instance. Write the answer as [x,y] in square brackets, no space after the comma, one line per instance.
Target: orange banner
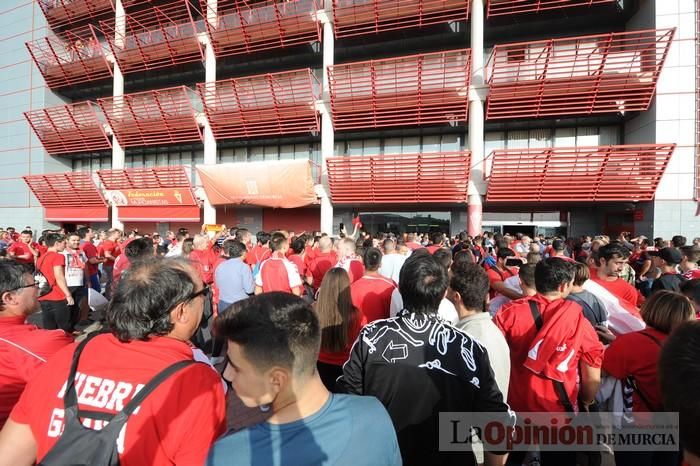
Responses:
[151,197]
[284,183]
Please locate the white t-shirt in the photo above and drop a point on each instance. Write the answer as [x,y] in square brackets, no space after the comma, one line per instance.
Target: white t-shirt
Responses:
[512,283]
[446,310]
[391,266]
[75,267]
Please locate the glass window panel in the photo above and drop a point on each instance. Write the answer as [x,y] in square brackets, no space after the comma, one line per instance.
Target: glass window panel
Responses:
[287,152]
[372,147]
[271,153]
[411,145]
[392,146]
[240,154]
[353,148]
[450,143]
[518,139]
[431,144]
[540,138]
[609,135]
[588,136]
[256,154]
[565,137]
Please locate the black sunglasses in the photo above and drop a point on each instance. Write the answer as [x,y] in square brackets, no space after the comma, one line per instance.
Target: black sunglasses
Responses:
[203,292]
[40,282]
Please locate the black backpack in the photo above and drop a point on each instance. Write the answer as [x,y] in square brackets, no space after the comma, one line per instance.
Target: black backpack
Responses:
[81,446]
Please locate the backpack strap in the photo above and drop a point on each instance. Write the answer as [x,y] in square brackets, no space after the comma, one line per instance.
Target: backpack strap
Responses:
[558,386]
[70,398]
[154,383]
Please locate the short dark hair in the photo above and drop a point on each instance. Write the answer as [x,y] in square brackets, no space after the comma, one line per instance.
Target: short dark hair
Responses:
[298,245]
[138,248]
[612,251]
[83,231]
[691,252]
[551,273]
[262,237]
[234,248]
[11,274]
[678,241]
[274,329]
[472,284]
[444,256]
[240,233]
[372,258]
[27,232]
[679,376]
[527,274]
[691,289]
[581,274]
[558,244]
[141,303]
[436,238]
[666,310]
[504,253]
[422,283]
[277,240]
[53,238]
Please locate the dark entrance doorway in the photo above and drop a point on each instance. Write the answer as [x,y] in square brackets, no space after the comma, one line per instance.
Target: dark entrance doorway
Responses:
[524,229]
[406,222]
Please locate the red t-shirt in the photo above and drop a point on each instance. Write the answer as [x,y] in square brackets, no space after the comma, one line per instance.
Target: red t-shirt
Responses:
[299,262]
[24,349]
[372,296]
[90,251]
[257,254]
[20,249]
[111,247]
[497,275]
[692,274]
[353,266]
[621,289]
[319,265]
[413,245]
[176,423]
[637,355]
[432,248]
[204,261]
[120,265]
[45,265]
[278,274]
[530,392]
[339,358]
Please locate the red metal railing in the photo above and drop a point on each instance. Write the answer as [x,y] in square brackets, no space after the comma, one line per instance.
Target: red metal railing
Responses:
[415,90]
[268,104]
[606,73]
[353,17]
[61,13]
[155,38]
[174,176]
[164,116]
[514,7]
[604,173]
[69,128]
[398,179]
[70,189]
[245,27]
[73,58]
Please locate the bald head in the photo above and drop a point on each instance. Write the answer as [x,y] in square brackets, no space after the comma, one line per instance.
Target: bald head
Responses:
[325,244]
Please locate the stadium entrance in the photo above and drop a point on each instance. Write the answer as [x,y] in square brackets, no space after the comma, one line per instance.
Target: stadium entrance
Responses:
[406,222]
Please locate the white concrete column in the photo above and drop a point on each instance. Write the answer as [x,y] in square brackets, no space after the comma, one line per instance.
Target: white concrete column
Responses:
[327,131]
[118,154]
[209,140]
[477,96]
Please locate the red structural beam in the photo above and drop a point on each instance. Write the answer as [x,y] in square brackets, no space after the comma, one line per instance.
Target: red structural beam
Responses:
[246,26]
[567,174]
[414,90]
[155,38]
[70,189]
[174,176]
[69,129]
[72,58]
[263,105]
[398,179]
[607,73]
[60,13]
[164,116]
[514,7]
[353,18]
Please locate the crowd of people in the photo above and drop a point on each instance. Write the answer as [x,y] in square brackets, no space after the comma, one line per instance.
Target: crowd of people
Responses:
[278,348]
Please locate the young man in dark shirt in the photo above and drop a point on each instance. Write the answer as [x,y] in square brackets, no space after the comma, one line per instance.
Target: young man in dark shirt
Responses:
[667,259]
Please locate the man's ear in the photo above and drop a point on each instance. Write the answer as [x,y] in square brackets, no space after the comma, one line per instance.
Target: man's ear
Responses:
[179,314]
[278,378]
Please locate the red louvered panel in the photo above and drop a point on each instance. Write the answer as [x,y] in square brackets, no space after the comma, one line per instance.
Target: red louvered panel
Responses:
[353,18]
[246,26]
[514,7]
[604,173]
[70,189]
[399,179]
[69,128]
[164,116]
[61,13]
[73,58]
[157,37]
[606,73]
[263,105]
[174,176]
[415,90]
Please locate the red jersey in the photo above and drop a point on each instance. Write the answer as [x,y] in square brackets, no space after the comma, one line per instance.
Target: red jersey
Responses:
[432,248]
[299,262]
[204,261]
[319,265]
[24,349]
[353,266]
[413,245]
[621,289]
[45,265]
[497,275]
[277,274]
[20,249]
[692,274]
[637,354]
[110,247]
[176,424]
[531,392]
[257,254]
[120,266]
[90,251]
[372,296]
